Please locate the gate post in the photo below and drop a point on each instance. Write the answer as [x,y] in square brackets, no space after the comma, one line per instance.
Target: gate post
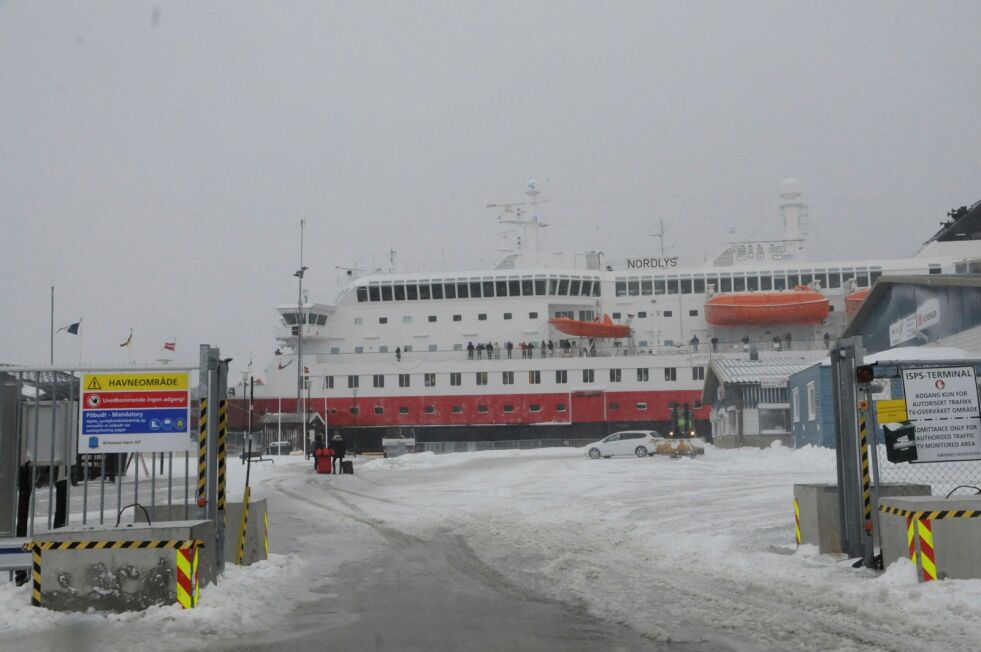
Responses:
[851,454]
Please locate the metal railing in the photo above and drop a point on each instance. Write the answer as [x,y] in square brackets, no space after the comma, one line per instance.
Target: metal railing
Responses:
[515,444]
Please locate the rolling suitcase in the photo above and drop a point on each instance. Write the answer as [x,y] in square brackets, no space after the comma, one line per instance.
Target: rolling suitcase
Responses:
[347,466]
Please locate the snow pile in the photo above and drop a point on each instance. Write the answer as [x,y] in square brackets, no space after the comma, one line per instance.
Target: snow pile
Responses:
[430,460]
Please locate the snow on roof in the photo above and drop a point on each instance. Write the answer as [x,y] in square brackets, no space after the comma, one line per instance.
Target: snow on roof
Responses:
[905,353]
[732,370]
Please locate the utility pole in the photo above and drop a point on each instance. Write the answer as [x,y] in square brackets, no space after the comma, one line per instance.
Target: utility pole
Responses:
[300,323]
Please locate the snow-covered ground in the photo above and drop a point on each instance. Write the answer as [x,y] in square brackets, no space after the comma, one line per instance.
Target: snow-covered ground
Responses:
[678,550]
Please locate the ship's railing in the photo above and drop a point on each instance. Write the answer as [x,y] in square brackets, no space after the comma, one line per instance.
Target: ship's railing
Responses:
[515,444]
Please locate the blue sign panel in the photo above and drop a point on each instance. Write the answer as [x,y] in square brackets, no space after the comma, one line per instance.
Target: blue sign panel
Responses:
[134,422]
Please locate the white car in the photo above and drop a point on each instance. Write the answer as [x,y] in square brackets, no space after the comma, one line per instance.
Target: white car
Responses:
[627,442]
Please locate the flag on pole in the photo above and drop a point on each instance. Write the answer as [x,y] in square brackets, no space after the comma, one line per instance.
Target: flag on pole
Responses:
[70,328]
[170,346]
[129,339]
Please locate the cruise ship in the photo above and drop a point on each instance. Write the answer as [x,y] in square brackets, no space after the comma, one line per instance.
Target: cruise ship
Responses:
[554,344]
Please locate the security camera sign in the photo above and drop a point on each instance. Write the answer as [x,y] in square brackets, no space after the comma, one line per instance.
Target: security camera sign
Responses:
[942,402]
[146,412]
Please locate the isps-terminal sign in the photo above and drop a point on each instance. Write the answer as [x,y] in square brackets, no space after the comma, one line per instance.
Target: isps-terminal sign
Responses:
[942,402]
[145,412]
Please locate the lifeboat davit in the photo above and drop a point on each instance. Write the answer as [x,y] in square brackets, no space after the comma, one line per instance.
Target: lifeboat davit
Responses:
[599,328]
[854,301]
[802,305]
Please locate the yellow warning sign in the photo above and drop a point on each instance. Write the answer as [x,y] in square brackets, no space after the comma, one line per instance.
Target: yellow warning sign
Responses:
[891,411]
[136,382]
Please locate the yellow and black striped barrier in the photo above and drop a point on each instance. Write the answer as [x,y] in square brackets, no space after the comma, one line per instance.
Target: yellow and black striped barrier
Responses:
[222,437]
[265,532]
[180,545]
[796,521]
[188,579]
[931,516]
[919,534]
[202,452]
[244,526]
[866,477]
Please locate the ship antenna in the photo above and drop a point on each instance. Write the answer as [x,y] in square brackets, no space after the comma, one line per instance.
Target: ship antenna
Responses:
[660,236]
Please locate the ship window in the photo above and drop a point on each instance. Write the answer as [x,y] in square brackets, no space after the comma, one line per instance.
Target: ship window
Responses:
[873,275]
[481,377]
[481,316]
[379,409]
[693,313]
[502,289]
[290,318]
[806,279]
[725,284]
[436,290]
[383,348]
[399,292]
[643,375]
[534,407]
[424,291]
[563,287]
[588,375]
[353,410]
[514,287]
[403,410]
[834,280]
[449,291]
[686,286]
[560,407]
[616,375]
[642,314]
[507,377]
[358,321]
[670,374]
[935,269]
[863,279]
[433,347]
[621,288]
[540,287]
[659,286]
[430,409]
[847,276]
[386,293]
[431,318]
[739,284]
[766,282]
[429,380]
[668,313]
[328,382]
[407,319]
[698,373]
[362,294]
[462,290]
[456,378]
[335,349]
[699,286]
[641,406]
[509,408]
[457,317]
[616,315]
[672,286]
[561,377]
[374,294]
[407,348]
[534,377]
[633,288]
[752,283]
[587,288]
[457,409]
[352,382]
[383,320]
[475,289]
[574,287]
[507,315]
[411,292]
[488,288]
[404,380]
[553,286]
[532,315]
[458,347]
[359,349]
[779,282]
[482,409]
[647,287]
[793,280]
[821,278]
[321,320]
[614,406]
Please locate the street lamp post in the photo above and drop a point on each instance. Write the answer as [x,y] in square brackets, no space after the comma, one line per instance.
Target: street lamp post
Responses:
[300,321]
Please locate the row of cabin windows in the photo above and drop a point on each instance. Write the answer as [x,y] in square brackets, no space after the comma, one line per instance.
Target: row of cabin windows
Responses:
[639,406]
[507,377]
[748,282]
[539,287]
[294,318]
[407,319]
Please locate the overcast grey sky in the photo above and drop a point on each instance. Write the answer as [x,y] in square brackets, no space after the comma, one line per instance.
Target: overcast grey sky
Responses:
[156,173]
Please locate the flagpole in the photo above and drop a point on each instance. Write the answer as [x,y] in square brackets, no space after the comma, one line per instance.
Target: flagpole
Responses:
[80,341]
[52,350]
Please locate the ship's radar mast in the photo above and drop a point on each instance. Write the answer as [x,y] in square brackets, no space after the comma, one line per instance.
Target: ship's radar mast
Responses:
[516,213]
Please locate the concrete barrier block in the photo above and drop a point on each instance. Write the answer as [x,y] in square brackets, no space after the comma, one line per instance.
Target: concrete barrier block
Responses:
[118,580]
[955,540]
[255,543]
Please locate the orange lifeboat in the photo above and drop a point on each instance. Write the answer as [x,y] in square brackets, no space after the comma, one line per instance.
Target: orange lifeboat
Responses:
[802,305]
[854,301]
[599,328]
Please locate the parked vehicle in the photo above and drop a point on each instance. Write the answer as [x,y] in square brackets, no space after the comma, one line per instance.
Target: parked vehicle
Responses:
[280,448]
[640,443]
